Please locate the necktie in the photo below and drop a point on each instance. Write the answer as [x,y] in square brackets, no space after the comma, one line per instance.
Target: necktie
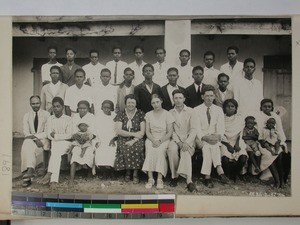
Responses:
[199,93]
[208,115]
[115,74]
[36,122]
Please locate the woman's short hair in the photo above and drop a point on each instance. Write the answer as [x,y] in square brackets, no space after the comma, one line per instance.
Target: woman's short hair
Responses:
[79,70]
[71,49]
[83,102]
[108,102]
[59,100]
[130,96]
[231,100]
[156,96]
[266,100]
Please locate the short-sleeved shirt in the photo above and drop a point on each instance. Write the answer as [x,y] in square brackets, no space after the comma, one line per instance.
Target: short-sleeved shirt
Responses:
[158,126]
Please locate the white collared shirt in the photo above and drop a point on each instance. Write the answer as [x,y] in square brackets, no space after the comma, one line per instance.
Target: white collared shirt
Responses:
[45,71]
[234,73]
[211,76]
[223,94]
[54,87]
[248,94]
[121,66]
[93,72]
[138,72]
[101,93]
[160,73]
[75,95]
[185,75]
[196,87]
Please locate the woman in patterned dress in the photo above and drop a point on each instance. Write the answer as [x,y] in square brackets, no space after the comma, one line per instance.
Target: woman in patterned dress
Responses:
[130,128]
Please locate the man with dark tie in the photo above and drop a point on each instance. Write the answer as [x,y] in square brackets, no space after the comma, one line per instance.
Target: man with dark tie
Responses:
[35,141]
[210,130]
[168,89]
[116,66]
[194,91]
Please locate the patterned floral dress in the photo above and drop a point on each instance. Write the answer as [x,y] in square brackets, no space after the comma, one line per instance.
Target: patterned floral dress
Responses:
[130,157]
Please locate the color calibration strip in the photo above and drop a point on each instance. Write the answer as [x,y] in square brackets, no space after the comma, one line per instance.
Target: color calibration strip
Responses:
[97,206]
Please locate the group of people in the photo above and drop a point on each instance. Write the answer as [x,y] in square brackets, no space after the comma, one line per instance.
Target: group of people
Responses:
[119,116]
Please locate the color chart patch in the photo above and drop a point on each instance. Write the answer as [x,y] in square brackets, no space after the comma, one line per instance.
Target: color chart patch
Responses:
[95,206]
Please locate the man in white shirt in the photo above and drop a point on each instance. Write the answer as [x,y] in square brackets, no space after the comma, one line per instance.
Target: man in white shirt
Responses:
[168,89]
[93,69]
[233,68]
[160,67]
[116,66]
[210,73]
[59,131]
[185,69]
[182,145]
[45,69]
[78,92]
[138,64]
[104,91]
[247,91]
[36,142]
[53,89]
[210,130]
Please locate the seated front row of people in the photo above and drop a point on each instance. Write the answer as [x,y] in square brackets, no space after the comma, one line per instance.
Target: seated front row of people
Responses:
[174,134]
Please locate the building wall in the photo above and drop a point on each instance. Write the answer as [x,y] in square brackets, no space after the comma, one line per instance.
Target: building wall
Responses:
[26,48]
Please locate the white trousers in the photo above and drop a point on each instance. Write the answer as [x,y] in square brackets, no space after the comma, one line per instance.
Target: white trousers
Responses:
[180,162]
[31,155]
[211,156]
[58,148]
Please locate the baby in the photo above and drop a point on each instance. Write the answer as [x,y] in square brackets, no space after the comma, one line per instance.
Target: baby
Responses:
[270,137]
[250,136]
[83,139]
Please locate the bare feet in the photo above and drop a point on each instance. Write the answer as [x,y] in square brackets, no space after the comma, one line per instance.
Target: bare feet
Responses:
[45,179]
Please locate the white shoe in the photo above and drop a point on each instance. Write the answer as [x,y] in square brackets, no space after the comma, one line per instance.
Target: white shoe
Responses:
[160,184]
[150,183]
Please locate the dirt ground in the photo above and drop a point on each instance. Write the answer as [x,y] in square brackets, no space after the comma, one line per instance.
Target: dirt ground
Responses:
[100,183]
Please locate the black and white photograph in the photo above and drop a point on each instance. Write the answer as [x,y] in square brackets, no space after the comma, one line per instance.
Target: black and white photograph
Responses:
[165,104]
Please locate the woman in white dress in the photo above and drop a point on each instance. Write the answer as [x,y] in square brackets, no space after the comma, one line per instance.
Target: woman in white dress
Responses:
[159,130]
[233,149]
[268,160]
[78,156]
[106,134]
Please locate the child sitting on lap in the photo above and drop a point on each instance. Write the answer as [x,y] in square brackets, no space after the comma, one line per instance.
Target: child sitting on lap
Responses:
[83,139]
[270,138]
[250,136]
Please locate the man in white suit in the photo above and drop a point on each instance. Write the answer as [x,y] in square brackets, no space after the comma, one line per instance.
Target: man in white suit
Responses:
[35,141]
[210,130]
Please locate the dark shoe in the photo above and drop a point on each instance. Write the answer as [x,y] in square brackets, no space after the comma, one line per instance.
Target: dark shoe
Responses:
[224,179]
[208,183]
[29,173]
[173,182]
[191,187]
